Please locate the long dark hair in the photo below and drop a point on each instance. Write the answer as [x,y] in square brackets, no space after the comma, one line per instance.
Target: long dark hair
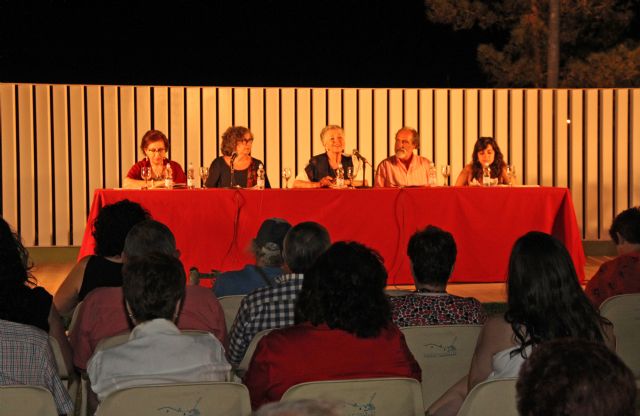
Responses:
[498,162]
[345,290]
[545,300]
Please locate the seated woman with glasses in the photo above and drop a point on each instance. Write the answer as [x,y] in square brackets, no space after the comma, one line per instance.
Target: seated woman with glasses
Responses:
[236,155]
[155,147]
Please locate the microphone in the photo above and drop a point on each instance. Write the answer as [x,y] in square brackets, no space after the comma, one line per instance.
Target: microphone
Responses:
[234,155]
[362,158]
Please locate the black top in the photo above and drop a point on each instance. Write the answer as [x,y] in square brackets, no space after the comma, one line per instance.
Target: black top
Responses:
[319,167]
[220,174]
[25,305]
[100,272]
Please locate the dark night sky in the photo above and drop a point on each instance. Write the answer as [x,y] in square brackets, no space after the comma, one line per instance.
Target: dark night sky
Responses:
[349,43]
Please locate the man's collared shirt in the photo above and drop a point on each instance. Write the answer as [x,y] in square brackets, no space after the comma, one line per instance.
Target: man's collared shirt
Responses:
[391,172]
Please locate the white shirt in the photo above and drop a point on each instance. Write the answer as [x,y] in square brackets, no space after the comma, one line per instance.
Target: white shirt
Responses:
[157,353]
[391,172]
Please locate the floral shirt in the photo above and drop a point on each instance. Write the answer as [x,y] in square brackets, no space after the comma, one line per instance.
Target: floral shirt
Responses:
[419,309]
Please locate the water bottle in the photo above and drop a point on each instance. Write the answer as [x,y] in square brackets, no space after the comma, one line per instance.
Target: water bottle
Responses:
[260,179]
[486,175]
[433,178]
[168,177]
[191,176]
[340,176]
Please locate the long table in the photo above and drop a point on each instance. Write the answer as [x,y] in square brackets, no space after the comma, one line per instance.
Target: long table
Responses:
[214,227]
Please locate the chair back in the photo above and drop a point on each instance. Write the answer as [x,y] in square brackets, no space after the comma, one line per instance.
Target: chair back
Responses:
[624,313]
[74,317]
[211,399]
[230,306]
[248,355]
[491,397]
[444,353]
[26,401]
[395,396]
[65,373]
[109,342]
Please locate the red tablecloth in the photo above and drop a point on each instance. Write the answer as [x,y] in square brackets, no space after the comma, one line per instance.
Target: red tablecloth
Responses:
[213,227]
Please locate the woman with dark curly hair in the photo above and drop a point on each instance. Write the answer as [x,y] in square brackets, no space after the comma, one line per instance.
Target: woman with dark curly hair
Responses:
[104,269]
[485,153]
[236,155]
[343,329]
[544,302]
[21,300]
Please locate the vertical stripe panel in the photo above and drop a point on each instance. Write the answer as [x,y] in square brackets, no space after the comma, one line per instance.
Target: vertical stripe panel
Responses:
[143,116]
[591,162]
[621,151]
[486,113]
[470,123]
[516,133]
[161,111]
[335,106]
[288,141]
[210,147]
[395,117]
[240,105]
[441,127]
[78,166]
[350,120]
[530,173]
[26,171]
[193,131]
[577,158]
[111,144]
[380,126]
[425,120]
[43,152]
[634,148]
[272,136]
[318,119]
[411,108]
[257,120]
[365,121]
[456,155]
[546,151]
[562,145]
[607,191]
[176,131]
[303,111]
[61,165]
[128,139]
[95,156]
[9,154]
[502,121]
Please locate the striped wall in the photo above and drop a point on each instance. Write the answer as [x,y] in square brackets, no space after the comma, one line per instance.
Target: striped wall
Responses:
[60,142]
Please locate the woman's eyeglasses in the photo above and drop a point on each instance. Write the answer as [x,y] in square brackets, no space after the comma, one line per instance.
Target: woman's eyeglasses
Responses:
[159,151]
[246,141]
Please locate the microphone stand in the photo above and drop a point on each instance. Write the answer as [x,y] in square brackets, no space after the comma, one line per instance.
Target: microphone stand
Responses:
[365,162]
[232,181]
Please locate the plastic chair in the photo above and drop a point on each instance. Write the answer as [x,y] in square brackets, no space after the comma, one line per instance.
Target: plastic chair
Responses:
[248,355]
[444,353]
[491,397]
[26,401]
[211,399]
[395,396]
[67,375]
[74,317]
[112,341]
[624,313]
[230,306]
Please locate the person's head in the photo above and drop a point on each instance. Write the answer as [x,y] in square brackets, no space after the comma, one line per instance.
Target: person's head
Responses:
[303,244]
[345,290]
[625,230]
[14,259]
[407,140]
[433,253]
[486,151]
[544,298]
[149,236]
[332,137]
[153,286]
[155,146]
[236,139]
[301,407]
[267,246]
[575,377]
[113,223]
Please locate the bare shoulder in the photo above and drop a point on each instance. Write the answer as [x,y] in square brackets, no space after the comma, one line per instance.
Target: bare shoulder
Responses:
[497,332]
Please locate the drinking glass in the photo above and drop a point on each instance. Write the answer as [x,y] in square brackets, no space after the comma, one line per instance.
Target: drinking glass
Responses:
[446,171]
[204,174]
[349,174]
[286,175]
[511,173]
[146,175]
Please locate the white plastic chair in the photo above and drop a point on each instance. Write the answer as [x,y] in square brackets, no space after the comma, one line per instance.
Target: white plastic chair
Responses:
[624,313]
[491,397]
[26,401]
[248,355]
[444,353]
[394,396]
[211,399]
[230,306]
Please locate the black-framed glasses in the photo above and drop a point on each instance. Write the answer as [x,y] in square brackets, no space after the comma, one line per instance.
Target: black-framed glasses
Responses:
[159,151]
[247,141]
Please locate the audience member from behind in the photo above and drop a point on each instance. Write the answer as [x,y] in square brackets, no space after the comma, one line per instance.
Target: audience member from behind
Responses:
[544,302]
[485,153]
[404,168]
[154,146]
[273,307]
[157,352]
[102,314]
[622,274]
[27,359]
[104,268]
[21,300]
[267,250]
[343,329]
[302,407]
[433,254]
[575,377]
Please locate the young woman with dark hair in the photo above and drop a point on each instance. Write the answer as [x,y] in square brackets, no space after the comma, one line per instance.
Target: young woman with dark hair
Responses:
[485,152]
[343,329]
[545,302]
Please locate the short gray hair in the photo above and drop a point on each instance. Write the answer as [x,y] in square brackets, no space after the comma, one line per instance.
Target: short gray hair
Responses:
[303,407]
[328,128]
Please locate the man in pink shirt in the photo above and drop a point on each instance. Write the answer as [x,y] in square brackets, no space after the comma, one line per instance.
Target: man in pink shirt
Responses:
[404,168]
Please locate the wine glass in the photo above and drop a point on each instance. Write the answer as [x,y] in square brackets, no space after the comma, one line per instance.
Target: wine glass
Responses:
[511,173]
[349,174]
[286,175]
[446,171]
[204,174]
[145,172]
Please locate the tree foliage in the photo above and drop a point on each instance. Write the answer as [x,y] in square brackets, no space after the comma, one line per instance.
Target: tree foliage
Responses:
[595,48]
